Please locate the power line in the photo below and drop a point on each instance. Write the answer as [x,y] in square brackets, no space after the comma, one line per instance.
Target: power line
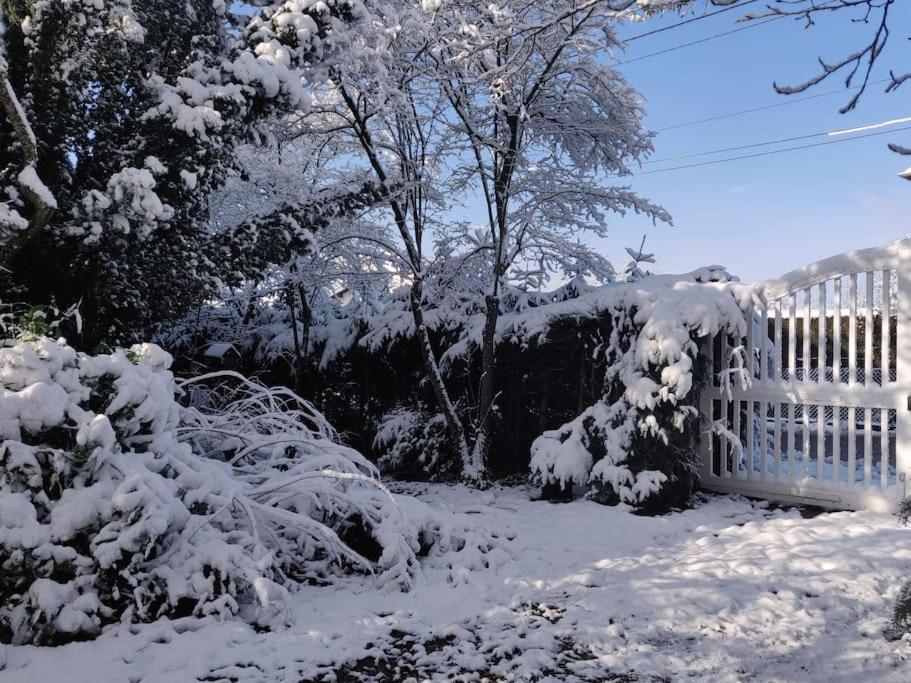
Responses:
[870,126]
[702,40]
[689,21]
[774,151]
[721,150]
[770,106]
[753,145]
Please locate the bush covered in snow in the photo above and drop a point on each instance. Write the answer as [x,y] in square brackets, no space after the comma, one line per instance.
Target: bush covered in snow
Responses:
[414,442]
[901,614]
[637,444]
[119,503]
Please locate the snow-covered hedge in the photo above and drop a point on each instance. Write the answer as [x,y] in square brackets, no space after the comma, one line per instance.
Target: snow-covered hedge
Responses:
[119,503]
[636,444]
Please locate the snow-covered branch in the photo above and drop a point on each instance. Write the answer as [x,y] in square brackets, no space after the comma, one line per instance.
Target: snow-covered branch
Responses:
[16,231]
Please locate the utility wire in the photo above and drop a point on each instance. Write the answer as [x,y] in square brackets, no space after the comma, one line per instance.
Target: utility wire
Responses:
[774,151]
[703,40]
[870,126]
[795,138]
[770,106]
[689,21]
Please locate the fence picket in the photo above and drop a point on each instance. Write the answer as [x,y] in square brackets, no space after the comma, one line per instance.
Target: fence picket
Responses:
[748,345]
[806,364]
[836,445]
[884,448]
[821,335]
[751,444]
[792,339]
[777,356]
[836,332]
[886,335]
[868,446]
[868,331]
[805,433]
[792,439]
[820,443]
[776,451]
[852,447]
[852,329]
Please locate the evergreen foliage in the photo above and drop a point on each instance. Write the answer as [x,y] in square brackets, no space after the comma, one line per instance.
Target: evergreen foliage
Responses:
[137,109]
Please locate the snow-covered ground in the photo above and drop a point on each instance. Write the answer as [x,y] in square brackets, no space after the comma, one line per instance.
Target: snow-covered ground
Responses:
[728,591]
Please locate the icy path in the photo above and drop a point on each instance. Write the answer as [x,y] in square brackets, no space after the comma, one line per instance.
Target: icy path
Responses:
[725,592]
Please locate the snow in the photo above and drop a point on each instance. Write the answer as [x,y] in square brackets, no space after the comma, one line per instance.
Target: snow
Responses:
[130,201]
[189,179]
[218,350]
[727,591]
[10,219]
[28,178]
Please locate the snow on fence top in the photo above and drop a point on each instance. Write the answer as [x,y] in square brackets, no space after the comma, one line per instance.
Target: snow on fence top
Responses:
[862,260]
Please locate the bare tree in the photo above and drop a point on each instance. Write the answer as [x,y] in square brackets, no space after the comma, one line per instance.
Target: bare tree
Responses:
[377,100]
[542,121]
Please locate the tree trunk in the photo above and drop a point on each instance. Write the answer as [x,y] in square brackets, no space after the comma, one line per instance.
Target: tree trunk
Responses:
[306,319]
[580,397]
[481,448]
[439,388]
[543,402]
[298,356]
[307,323]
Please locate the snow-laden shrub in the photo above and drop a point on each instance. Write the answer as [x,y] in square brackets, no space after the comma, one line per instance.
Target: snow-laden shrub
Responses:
[415,441]
[901,613]
[118,503]
[637,444]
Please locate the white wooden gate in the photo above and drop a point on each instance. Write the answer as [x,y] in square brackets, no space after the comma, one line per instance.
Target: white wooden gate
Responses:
[826,419]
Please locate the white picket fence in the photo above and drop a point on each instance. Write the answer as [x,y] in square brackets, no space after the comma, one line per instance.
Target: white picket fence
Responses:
[813,405]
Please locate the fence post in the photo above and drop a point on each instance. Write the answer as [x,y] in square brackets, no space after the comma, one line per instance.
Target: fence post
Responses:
[903,368]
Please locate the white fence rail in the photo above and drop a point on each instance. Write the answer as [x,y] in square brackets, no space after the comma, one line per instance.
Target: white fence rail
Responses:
[813,405]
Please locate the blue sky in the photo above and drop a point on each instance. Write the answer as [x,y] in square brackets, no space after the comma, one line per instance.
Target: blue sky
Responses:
[763,217]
